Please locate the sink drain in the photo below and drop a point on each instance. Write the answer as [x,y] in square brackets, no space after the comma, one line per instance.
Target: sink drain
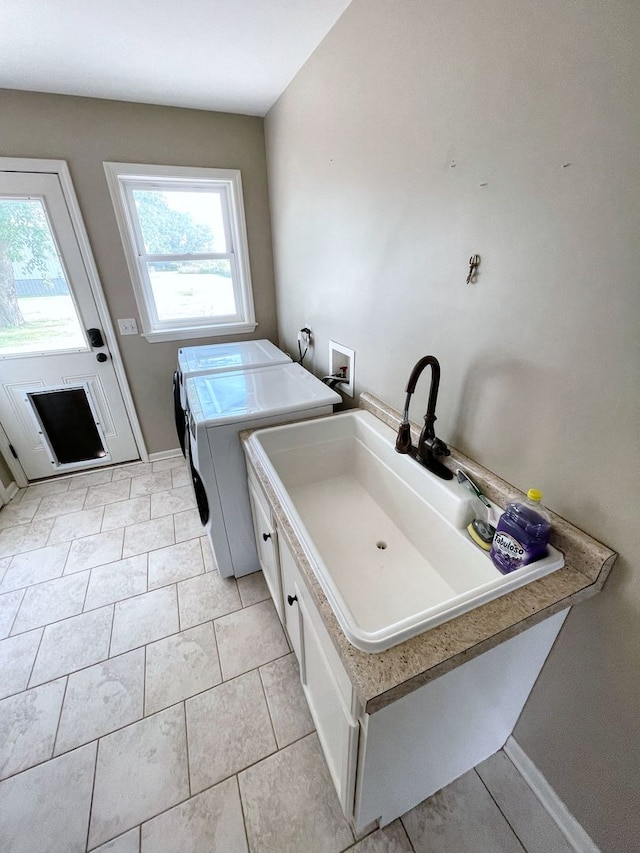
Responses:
[381,545]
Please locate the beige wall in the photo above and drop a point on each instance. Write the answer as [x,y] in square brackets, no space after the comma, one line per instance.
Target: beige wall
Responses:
[85,132]
[540,358]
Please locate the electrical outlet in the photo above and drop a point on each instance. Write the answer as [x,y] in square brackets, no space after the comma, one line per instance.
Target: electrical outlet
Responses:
[305,336]
[128,327]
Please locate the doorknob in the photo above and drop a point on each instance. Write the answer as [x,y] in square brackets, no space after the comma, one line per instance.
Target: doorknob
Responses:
[101,357]
[95,337]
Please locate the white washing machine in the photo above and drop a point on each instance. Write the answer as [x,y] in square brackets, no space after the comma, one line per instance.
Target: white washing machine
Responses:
[216,358]
[219,407]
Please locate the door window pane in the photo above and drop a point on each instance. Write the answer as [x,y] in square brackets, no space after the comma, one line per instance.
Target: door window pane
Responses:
[37,311]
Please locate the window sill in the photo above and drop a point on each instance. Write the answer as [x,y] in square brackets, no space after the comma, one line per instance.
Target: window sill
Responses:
[194,332]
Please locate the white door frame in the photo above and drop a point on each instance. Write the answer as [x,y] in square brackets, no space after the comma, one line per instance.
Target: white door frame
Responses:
[61,169]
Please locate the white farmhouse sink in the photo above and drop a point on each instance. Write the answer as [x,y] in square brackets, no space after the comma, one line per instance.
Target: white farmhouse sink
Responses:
[386,538]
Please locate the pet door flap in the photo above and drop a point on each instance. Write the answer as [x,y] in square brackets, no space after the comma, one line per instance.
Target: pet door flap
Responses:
[68,424]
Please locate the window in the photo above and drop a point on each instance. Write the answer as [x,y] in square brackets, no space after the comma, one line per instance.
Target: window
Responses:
[184,237]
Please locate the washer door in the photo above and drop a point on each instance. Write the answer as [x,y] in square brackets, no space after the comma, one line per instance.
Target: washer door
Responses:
[179,412]
[198,486]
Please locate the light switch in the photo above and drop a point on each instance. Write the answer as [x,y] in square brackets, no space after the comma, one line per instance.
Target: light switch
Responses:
[128,327]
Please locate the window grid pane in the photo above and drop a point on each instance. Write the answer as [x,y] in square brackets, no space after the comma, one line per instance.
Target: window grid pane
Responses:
[184,236]
[192,290]
[181,221]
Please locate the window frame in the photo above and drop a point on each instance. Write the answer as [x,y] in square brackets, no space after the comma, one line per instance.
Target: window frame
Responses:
[123,179]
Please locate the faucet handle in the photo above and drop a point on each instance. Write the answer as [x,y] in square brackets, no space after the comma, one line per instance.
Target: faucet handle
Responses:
[439,448]
[403,441]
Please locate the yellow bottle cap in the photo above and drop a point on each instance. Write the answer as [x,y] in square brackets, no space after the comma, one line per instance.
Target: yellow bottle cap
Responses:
[534,495]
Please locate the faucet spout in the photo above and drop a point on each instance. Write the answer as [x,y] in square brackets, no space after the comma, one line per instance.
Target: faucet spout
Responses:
[429,446]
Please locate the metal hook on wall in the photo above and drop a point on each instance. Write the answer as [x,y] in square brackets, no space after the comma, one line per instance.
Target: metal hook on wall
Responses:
[474,263]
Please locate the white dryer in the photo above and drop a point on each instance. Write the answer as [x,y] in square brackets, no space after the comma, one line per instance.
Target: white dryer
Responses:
[216,358]
[219,407]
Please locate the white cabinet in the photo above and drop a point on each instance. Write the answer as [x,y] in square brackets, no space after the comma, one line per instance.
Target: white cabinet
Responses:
[385,763]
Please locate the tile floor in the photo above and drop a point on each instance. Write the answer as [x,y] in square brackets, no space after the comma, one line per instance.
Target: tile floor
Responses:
[148,705]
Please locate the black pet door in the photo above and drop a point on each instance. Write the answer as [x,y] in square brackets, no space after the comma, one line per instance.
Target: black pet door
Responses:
[68,423]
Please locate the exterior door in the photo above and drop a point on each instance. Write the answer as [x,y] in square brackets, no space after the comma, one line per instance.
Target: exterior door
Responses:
[61,406]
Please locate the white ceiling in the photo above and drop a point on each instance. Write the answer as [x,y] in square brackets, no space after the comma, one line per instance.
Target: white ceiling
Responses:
[228,55]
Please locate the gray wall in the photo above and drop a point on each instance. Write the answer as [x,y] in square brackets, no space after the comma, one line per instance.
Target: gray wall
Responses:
[540,358]
[85,132]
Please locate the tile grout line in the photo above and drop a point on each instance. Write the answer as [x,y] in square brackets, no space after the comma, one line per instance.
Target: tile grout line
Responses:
[406,833]
[64,696]
[15,616]
[93,791]
[144,684]
[242,811]
[35,657]
[146,553]
[266,701]
[180,628]
[86,592]
[497,805]
[113,619]
[215,642]
[186,740]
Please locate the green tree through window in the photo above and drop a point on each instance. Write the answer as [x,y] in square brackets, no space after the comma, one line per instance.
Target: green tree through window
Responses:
[24,238]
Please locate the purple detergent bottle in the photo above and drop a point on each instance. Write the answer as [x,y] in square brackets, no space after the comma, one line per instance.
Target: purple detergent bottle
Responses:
[522,534]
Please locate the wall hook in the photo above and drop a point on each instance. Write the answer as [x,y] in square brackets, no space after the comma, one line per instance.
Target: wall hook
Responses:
[474,263]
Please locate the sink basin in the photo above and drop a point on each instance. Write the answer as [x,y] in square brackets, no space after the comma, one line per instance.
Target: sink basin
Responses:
[386,538]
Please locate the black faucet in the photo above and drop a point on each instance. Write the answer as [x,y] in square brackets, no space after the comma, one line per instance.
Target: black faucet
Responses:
[428,445]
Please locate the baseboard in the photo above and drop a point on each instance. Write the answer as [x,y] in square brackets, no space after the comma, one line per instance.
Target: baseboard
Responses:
[164,454]
[7,493]
[559,813]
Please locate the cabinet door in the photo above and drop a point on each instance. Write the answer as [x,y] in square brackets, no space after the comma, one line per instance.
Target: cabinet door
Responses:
[327,688]
[267,547]
[290,598]
[337,730]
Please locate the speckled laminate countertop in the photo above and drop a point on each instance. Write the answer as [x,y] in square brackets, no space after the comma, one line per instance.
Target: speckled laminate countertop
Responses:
[382,678]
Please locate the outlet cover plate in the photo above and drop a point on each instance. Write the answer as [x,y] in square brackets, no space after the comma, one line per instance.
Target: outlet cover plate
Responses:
[128,327]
